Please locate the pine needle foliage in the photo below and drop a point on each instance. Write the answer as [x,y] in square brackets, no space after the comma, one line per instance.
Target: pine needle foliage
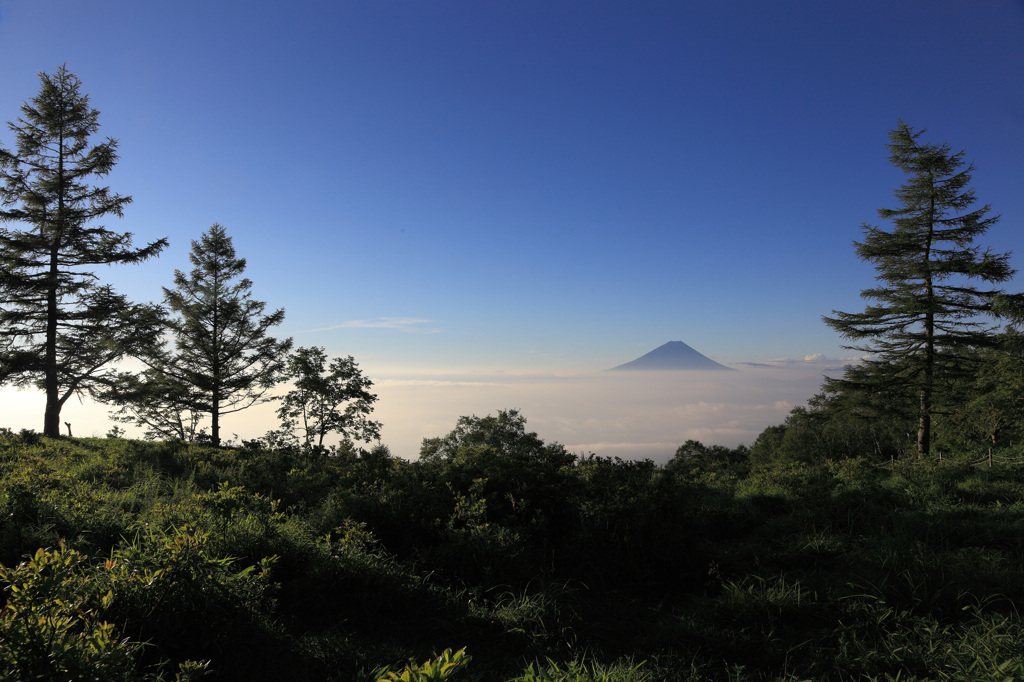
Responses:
[926,312]
[221,360]
[222,346]
[60,328]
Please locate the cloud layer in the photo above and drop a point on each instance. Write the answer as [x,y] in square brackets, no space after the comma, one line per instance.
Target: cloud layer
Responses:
[625,414]
[632,415]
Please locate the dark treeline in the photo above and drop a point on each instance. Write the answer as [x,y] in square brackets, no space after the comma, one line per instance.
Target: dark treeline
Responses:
[876,534]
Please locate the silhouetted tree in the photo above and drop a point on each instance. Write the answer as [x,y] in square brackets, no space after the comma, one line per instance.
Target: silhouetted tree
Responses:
[505,433]
[518,479]
[693,458]
[157,399]
[926,312]
[332,398]
[221,360]
[60,329]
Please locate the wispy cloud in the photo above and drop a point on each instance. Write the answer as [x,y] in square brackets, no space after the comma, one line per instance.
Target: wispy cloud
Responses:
[406,324]
[817,360]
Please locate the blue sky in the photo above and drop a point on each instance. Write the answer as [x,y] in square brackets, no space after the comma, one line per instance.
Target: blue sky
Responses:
[466,189]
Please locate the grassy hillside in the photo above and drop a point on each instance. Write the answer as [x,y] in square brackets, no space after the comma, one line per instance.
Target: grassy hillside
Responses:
[170,559]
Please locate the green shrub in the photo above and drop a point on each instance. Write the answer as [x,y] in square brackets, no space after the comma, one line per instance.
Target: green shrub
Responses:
[172,591]
[444,667]
[51,626]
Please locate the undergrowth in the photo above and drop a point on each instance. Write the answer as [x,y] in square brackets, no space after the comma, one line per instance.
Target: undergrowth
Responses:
[132,560]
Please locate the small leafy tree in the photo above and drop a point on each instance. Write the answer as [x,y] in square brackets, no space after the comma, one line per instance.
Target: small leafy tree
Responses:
[521,480]
[60,329]
[505,433]
[693,458]
[222,359]
[328,398]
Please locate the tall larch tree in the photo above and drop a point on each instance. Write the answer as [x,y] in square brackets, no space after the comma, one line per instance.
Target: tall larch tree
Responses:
[221,358]
[60,328]
[928,311]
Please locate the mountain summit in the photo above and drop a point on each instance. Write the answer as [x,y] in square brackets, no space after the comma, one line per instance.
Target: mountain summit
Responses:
[674,355]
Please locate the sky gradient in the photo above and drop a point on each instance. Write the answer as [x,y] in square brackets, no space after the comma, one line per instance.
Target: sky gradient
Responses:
[496,199]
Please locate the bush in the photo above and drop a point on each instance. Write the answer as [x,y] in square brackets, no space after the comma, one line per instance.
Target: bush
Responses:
[52,626]
[444,667]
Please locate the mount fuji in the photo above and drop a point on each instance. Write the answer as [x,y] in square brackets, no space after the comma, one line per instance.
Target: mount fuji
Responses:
[674,355]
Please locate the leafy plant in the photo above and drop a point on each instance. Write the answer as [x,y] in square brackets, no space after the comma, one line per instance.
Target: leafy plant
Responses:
[51,626]
[444,667]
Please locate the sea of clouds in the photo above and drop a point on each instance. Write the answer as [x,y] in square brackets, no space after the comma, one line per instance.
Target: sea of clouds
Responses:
[632,415]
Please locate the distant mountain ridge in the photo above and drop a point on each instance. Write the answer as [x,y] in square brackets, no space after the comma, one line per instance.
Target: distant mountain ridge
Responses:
[674,355]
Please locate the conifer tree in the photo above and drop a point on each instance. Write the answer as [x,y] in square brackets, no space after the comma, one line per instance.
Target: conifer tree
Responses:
[221,360]
[60,328]
[927,313]
[157,399]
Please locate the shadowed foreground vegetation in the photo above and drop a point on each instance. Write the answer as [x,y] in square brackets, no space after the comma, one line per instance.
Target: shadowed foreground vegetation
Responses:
[131,560]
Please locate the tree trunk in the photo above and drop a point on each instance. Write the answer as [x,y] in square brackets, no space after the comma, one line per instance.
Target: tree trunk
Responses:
[51,417]
[215,418]
[215,331]
[924,431]
[924,428]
